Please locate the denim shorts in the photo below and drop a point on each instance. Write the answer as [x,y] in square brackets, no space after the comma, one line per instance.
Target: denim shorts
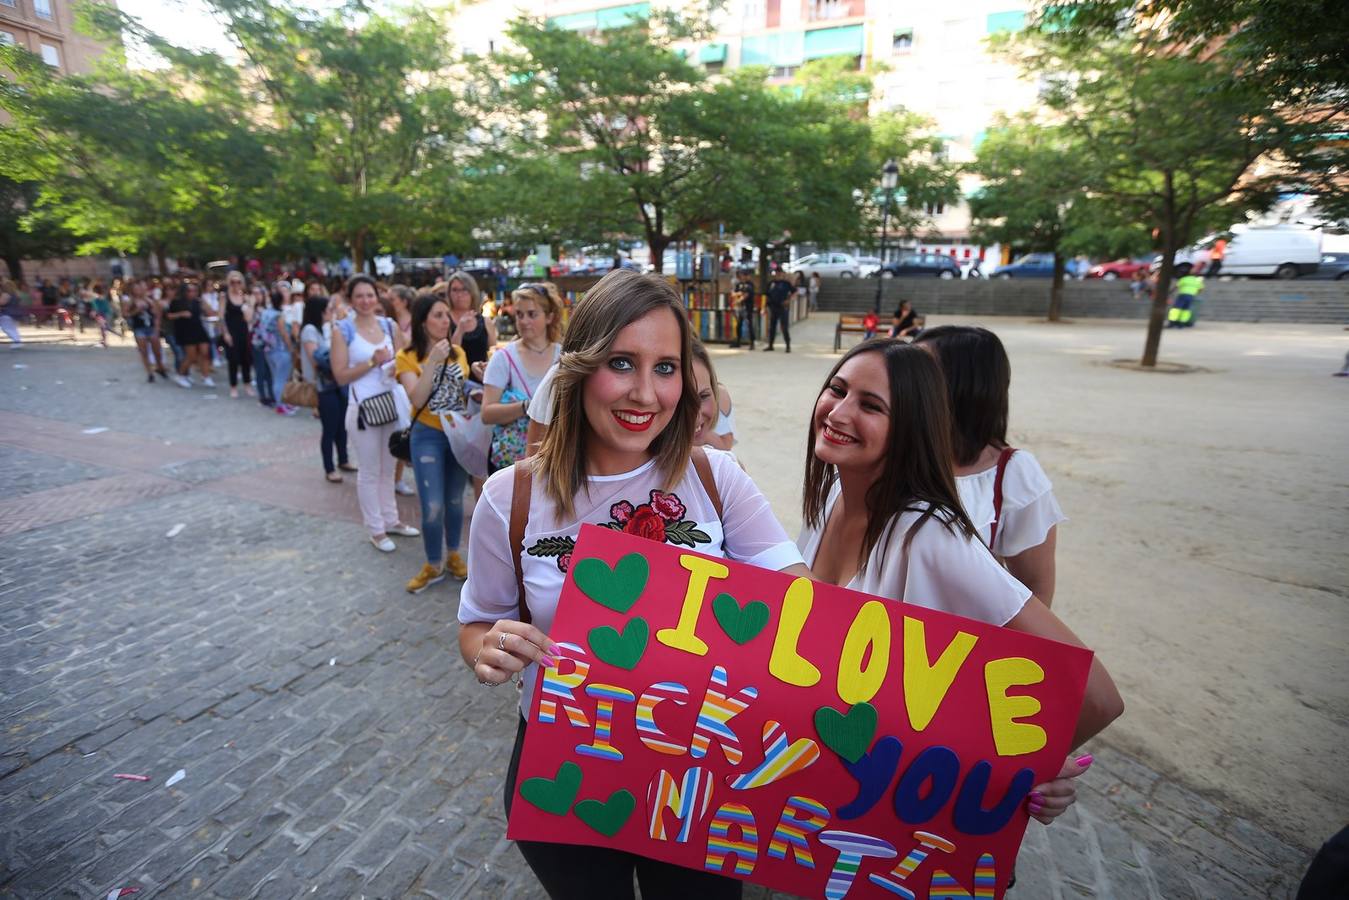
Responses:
[143,332]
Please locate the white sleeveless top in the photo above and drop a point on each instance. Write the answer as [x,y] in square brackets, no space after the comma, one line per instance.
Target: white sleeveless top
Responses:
[380,378]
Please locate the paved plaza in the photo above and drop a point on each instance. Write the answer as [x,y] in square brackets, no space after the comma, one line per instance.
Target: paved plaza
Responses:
[181,590]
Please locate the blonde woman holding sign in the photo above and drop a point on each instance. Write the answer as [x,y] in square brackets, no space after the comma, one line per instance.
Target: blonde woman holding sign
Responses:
[620,452]
[883,516]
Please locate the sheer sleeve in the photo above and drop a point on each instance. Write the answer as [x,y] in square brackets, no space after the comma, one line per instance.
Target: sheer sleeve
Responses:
[753,534]
[490,593]
[1029,507]
[956,574]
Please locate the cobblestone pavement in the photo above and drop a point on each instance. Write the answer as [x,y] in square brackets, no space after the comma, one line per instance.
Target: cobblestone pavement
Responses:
[331,742]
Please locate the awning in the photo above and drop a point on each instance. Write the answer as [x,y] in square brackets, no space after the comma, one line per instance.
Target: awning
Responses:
[712,53]
[1013,20]
[781,49]
[601,19]
[847,40]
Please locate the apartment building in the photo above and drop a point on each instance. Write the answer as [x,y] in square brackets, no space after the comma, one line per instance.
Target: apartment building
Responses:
[47,29]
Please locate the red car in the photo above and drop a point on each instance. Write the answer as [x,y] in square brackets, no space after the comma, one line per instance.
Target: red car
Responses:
[1120,268]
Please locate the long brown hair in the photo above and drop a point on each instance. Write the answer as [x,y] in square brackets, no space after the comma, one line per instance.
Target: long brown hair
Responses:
[917,474]
[615,302]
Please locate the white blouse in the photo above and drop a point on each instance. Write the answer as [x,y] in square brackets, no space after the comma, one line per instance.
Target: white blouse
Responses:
[942,570]
[1029,508]
[683,516]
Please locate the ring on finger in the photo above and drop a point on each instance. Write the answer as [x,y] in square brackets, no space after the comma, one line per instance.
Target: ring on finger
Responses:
[501,641]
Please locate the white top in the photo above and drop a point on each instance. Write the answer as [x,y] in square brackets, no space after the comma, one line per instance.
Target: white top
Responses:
[942,570]
[725,421]
[293,313]
[541,405]
[380,378]
[1029,509]
[501,374]
[750,530]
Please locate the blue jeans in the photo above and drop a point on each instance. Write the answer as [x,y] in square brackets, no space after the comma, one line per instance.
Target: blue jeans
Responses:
[333,415]
[279,362]
[440,489]
[262,372]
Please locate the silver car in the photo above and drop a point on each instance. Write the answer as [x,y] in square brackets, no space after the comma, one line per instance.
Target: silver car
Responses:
[829,265]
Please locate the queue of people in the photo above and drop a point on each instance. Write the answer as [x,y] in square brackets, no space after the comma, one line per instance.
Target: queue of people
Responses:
[910,492]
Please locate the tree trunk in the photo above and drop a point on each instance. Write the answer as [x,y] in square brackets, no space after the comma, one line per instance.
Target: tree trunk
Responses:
[15,266]
[161,260]
[1157,314]
[358,252]
[763,268]
[1056,288]
[657,242]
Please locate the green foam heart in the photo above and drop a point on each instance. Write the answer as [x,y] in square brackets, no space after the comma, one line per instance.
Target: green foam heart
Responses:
[623,650]
[609,816]
[617,588]
[554,795]
[847,734]
[741,624]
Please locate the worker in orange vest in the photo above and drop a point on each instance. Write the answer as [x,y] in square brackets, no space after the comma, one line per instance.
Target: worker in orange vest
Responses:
[1215,258]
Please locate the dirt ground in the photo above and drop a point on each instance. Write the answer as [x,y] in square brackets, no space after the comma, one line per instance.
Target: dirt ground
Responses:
[1205,554]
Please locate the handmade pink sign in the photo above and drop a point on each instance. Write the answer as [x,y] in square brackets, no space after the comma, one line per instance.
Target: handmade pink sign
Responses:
[798,735]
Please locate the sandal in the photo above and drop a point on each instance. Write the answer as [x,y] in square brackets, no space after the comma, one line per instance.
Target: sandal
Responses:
[333,478]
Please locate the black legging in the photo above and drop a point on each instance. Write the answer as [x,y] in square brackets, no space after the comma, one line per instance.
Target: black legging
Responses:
[777,314]
[574,872]
[239,353]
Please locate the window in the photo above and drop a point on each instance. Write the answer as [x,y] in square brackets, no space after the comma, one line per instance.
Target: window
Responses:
[902,42]
[43,8]
[6,39]
[51,56]
[934,209]
[9,3]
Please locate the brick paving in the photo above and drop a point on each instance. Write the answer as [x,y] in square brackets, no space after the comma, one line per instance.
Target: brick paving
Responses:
[332,743]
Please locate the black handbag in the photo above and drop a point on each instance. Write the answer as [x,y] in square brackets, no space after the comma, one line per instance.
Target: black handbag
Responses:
[400,442]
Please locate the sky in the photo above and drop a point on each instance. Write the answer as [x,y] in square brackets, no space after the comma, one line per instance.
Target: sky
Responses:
[183,22]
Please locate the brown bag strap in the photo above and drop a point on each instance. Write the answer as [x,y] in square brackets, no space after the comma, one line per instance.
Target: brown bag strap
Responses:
[703,466]
[1003,459]
[524,482]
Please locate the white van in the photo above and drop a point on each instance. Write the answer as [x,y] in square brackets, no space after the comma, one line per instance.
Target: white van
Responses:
[1281,251]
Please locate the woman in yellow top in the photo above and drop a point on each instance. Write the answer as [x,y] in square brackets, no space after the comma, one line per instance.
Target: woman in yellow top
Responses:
[432,370]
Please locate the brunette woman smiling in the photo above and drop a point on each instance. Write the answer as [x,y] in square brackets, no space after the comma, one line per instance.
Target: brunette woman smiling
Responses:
[620,452]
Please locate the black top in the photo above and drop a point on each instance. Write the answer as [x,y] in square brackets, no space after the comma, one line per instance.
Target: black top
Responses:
[234,314]
[475,342]
[779,289]
[905,321]
[142,316]
[746,287]
[188,330]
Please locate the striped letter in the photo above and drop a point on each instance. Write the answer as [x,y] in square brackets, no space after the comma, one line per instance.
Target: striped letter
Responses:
[800,817]
[559,687]
[688,800]
[606,694]
[715,715]
[720,844]
[647,730]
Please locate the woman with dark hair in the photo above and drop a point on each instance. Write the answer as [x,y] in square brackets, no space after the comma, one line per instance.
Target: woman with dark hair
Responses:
[432,371]
[332,397]
[190,333]
[142,313]
[883,516]
[274,337]
[620,453]
[362,355]
[1007,495]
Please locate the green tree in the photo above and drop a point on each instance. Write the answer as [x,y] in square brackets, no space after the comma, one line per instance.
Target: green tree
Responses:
[1168,140]
[25,233]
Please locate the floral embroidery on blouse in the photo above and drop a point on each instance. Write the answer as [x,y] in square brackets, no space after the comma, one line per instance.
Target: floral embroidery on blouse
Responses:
[660,519]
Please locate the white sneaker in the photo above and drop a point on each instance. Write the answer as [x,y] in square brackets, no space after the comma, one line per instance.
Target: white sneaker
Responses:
[403,530]
[383,544]
[402,487]
[182,382]
[208,381]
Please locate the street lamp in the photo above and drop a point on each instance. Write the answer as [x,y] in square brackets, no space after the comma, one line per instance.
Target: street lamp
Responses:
[889,181]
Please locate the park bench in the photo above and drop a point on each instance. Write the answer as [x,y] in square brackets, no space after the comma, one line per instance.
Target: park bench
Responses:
[848,323]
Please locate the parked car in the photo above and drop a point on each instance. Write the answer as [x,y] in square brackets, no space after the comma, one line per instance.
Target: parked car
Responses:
[1334,267]
[829,265]
[1281,251]
[1036,265]
[913,265]
[1119,268]
[868,265]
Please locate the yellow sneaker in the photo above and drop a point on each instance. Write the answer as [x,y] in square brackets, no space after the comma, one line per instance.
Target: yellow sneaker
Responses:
[428,576]
[456,566]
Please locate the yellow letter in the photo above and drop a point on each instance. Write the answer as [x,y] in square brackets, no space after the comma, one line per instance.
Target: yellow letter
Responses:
[1013,738]
[871,628]
[682,636]
[926,684]
[785,662]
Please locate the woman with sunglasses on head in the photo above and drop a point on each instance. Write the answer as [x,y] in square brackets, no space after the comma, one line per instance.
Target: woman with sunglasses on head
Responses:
[1008,496]
[516,369]
[883,516]
[362,354]
[620,453]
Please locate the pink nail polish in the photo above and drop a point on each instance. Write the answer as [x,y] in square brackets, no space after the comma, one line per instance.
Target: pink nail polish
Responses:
[1035,808]
[555,650]
[549,662]
[1037,798]
[1084,761]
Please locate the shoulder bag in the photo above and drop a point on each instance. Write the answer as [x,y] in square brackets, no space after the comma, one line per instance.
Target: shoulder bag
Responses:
[400,442]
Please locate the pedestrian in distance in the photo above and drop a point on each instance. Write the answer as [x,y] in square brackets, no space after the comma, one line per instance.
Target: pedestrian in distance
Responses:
[237,306]
[398,307]
[316,364]
[742,301]
[779,309]
[469,328]
[434,371]
[904,323]
[9,312]
[883,516]
[620,451]
[362,354]
[142,313]
[802,286]
[189,332]
[1215,257]
[1006,493]
[1182,312]
[871,323]
[258,342]
[274,335]
[814,290]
